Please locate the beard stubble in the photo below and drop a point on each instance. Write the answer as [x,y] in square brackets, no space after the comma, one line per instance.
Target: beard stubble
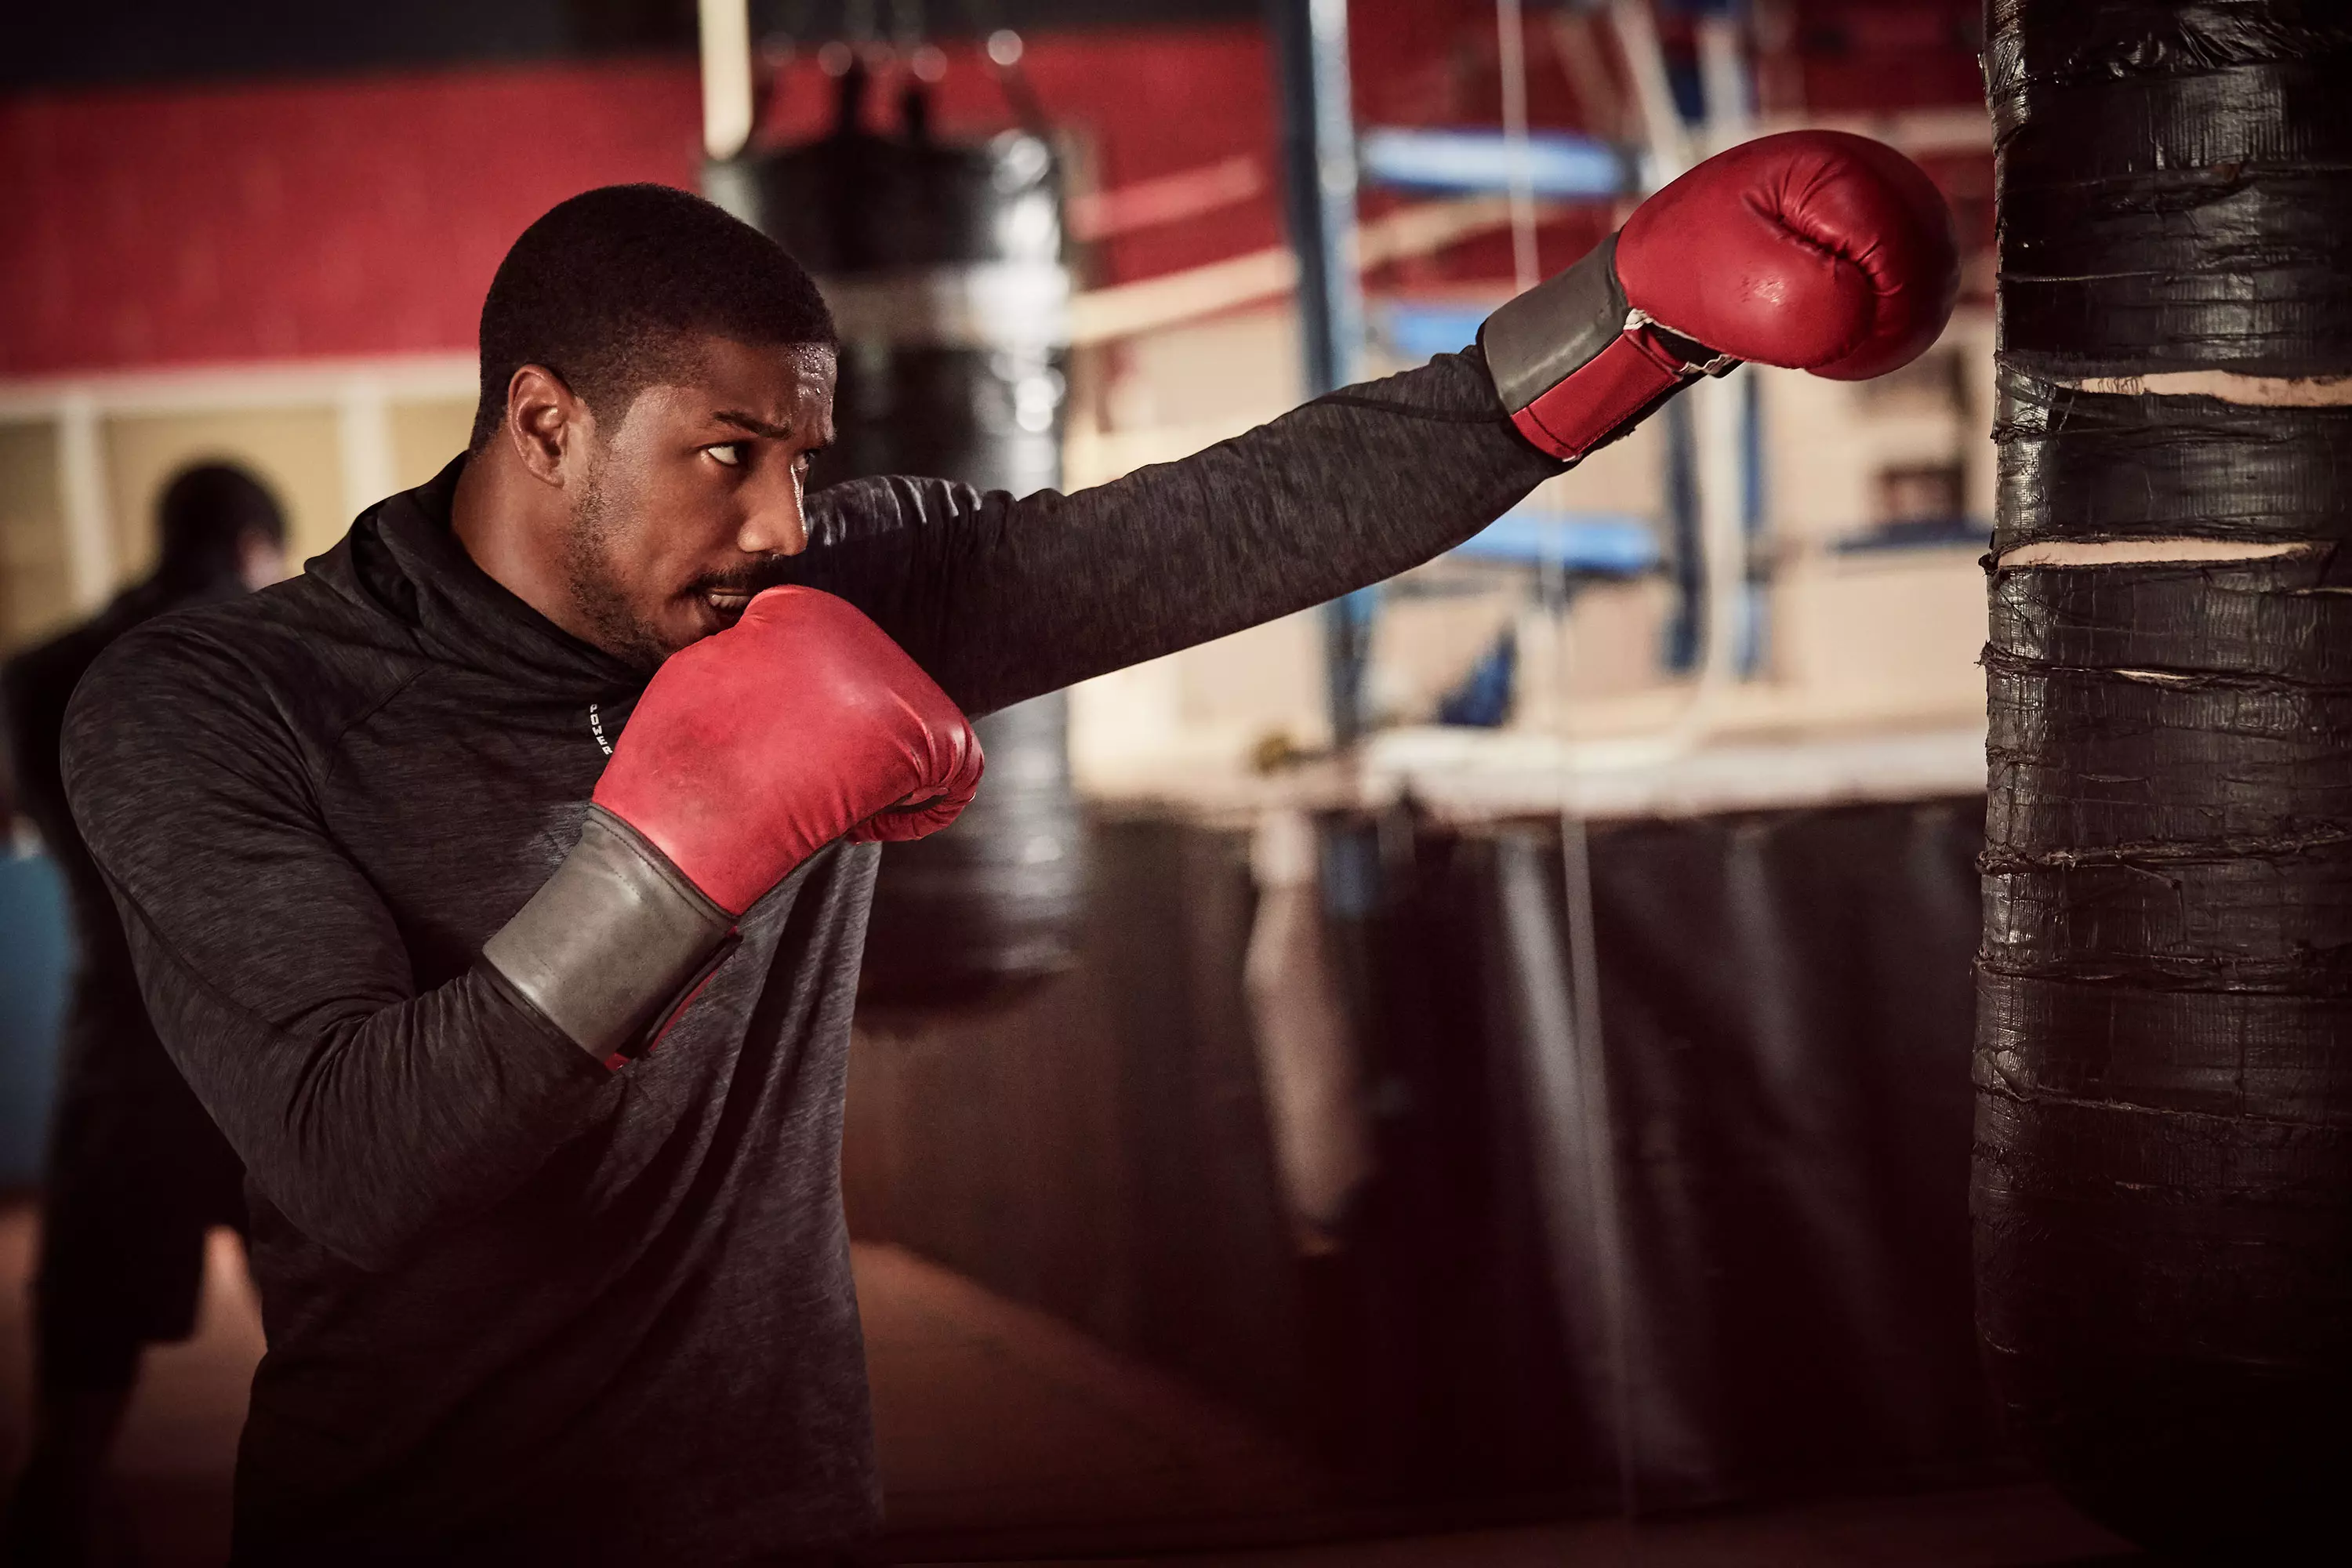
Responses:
[612,622]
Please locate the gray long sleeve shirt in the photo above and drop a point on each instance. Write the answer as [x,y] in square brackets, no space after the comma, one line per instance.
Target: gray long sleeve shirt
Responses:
[518,1307]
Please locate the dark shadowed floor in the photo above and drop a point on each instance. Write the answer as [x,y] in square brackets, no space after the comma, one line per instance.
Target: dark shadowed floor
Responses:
[999,1426]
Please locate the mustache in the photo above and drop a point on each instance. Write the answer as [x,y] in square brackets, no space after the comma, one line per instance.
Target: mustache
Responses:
[746,579]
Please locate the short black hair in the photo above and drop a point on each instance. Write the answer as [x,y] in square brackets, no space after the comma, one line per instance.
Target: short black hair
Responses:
[608,289]
[208,513]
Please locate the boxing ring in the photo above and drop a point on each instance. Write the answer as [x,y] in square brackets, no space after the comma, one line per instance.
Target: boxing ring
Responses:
[1686,1228]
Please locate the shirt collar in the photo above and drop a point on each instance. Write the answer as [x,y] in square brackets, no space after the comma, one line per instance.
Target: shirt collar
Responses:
[402,554]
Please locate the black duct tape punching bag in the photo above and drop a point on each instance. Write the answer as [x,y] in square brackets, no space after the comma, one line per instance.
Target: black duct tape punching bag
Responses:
[2163,1185]
[942,262]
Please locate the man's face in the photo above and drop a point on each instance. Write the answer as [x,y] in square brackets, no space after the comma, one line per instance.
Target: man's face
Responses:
[260,560]
[694,497]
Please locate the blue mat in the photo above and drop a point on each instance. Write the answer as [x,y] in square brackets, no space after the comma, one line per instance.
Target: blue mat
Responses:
[1559,165]
[1600,544]
[35,954]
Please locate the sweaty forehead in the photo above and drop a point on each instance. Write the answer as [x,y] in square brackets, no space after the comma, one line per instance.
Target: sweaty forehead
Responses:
[730,365]
[784,384]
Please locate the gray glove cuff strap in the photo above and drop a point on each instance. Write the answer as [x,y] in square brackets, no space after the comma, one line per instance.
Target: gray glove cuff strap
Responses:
[612,941]
[1539,339]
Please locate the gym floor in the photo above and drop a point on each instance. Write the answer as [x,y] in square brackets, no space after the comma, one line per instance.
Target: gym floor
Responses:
[1002,1430]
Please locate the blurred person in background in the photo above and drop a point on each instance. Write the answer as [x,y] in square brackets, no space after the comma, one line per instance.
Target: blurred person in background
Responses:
[137,1175]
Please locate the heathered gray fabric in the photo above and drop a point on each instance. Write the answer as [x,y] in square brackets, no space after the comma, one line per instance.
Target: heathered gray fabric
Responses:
[109,1047]
[520,1309]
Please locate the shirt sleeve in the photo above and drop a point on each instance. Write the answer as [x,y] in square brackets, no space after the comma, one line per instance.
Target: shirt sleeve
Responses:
[1001,599]
[368,1112]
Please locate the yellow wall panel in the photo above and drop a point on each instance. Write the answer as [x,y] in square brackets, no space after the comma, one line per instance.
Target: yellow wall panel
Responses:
[426,435]
[294,451]
[36,581]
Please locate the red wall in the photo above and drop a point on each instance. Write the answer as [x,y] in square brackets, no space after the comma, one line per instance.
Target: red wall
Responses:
[365,216]
[351,217]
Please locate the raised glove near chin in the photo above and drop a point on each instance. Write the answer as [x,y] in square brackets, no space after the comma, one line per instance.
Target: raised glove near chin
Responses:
[748,751]
[802,722]
[1813,251]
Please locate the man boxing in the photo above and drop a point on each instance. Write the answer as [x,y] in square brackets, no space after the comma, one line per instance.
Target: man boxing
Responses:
[575,750]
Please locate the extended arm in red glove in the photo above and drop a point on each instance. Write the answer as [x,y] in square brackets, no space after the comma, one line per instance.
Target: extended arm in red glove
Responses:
[1814,250]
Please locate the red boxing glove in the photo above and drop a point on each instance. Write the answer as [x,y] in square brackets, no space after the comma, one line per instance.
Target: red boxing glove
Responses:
[748,751]
[757,746]
[1813,251]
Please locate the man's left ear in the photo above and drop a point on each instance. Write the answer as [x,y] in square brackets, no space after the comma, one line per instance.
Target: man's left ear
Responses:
[547,422]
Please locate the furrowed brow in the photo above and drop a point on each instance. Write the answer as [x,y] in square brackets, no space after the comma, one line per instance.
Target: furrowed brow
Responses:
[754,425]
